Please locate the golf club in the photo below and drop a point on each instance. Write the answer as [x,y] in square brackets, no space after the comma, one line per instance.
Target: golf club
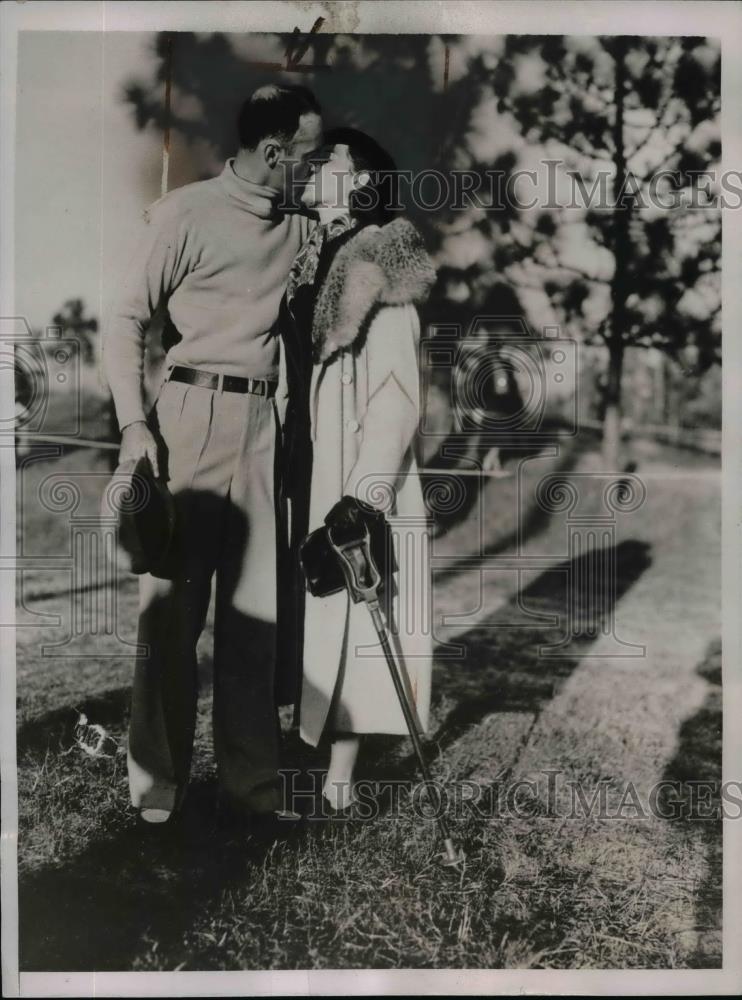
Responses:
[363,580]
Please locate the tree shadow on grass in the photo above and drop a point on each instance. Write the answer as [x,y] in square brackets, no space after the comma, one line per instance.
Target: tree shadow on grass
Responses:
[99,911]
[696,768]
[531,521]
[467,451]
[502,667]
[102,908]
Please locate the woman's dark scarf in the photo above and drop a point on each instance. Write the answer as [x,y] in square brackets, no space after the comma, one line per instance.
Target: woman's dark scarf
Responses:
[304,269]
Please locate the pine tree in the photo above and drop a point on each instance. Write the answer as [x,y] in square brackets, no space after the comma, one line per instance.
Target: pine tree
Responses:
[647,110]
[73,322]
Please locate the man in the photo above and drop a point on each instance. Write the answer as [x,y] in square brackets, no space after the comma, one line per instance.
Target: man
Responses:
[217,253]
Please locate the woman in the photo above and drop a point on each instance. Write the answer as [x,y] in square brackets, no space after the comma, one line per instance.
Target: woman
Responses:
[350,334]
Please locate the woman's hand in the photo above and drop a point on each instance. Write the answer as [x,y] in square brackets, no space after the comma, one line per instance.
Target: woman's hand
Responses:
[347,518]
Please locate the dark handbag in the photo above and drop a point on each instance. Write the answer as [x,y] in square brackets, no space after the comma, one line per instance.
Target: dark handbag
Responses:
[321,566]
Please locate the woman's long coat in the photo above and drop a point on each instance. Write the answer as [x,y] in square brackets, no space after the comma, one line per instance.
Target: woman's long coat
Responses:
[364,408]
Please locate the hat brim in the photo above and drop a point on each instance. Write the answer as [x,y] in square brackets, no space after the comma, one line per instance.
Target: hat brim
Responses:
[144,511]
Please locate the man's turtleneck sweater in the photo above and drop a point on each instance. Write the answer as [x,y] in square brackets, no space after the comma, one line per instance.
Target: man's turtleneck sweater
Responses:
[218,253]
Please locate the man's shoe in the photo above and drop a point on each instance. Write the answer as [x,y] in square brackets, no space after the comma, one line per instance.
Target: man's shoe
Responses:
[262,825]
[155,816]
[288,815]
[158,823]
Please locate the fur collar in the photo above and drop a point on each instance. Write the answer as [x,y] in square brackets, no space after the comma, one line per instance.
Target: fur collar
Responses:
[378,266]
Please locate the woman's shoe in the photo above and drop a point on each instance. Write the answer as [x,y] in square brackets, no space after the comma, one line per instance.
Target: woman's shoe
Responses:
[341,799]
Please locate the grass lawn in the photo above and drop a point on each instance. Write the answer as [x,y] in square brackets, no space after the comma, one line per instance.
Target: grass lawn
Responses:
[632,697]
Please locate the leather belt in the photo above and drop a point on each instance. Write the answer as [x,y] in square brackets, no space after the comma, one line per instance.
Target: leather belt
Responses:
[227,383]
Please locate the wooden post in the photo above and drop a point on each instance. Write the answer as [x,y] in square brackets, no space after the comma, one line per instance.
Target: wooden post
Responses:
[166,130]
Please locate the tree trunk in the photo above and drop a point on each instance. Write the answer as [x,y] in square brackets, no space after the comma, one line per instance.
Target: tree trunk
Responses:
[620,284]
[612,420]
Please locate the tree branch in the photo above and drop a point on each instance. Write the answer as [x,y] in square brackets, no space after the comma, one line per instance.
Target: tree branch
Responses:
[642,178]
[556,267]
[651,129]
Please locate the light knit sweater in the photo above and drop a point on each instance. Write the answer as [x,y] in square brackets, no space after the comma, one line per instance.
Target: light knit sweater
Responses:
[217,253]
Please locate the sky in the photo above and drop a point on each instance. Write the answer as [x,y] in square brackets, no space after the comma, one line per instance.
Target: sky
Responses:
[83,172]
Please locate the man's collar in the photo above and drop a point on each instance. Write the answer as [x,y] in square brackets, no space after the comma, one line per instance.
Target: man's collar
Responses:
[259,199]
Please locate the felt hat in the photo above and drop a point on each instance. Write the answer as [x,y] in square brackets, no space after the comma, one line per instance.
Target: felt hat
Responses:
[144,512]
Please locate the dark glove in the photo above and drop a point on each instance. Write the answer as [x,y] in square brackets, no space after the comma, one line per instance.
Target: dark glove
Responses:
[348,519]
[347,522]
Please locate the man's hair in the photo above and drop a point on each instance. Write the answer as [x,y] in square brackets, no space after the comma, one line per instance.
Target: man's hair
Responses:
[274,111]
[375,201]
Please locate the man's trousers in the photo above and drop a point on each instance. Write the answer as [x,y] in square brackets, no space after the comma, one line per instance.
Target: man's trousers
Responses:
[217,454]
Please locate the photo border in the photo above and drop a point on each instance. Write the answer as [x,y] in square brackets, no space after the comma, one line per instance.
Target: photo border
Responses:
[714,19]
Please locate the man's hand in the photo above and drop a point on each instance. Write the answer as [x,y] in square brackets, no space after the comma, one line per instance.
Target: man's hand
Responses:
[138,441]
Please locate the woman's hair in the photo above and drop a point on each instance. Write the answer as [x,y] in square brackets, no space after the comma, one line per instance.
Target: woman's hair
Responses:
[376,201]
